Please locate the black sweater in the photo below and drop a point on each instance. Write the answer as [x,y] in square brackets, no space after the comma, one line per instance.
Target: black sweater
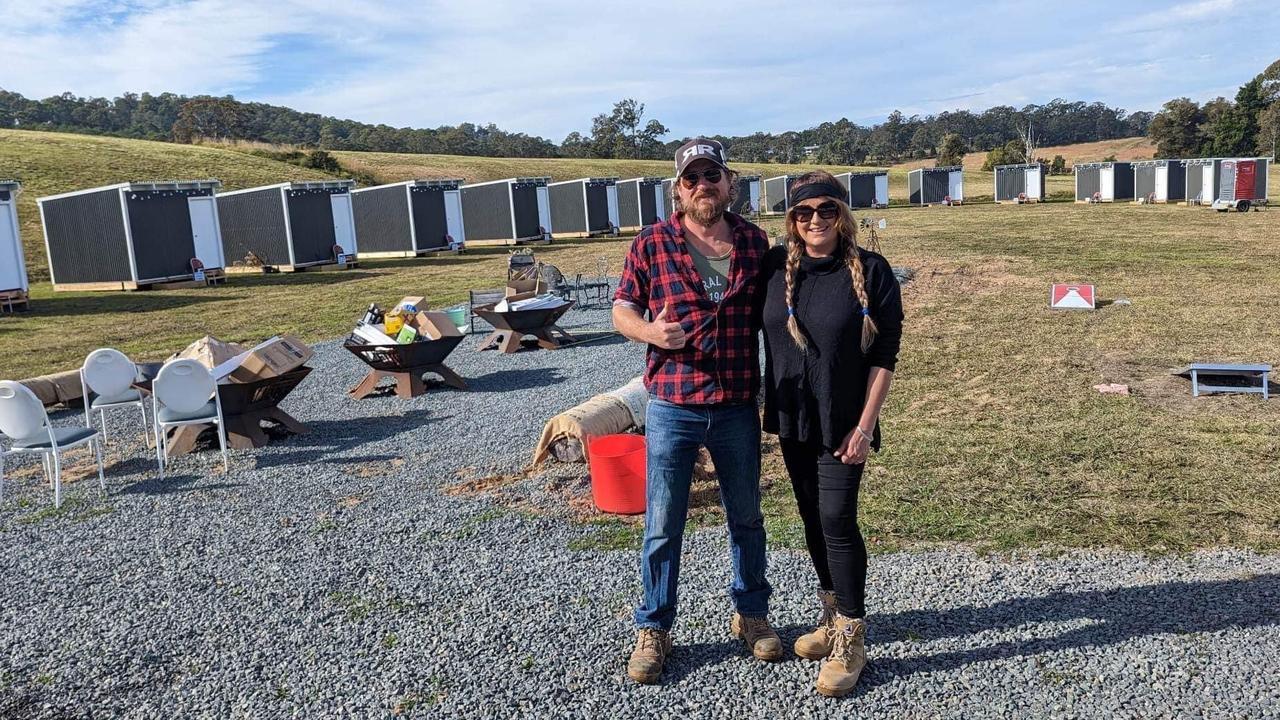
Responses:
[818,395]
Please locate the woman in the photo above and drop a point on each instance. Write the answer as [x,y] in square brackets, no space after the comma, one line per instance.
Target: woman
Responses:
[832,318]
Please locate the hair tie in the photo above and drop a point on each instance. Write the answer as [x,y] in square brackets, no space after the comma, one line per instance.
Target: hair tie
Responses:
[865,312]
[790,311]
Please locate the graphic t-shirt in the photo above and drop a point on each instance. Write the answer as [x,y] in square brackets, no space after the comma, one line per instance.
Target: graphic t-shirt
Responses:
[714,272]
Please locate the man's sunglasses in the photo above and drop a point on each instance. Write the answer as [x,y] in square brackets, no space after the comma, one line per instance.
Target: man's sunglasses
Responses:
[690,179]
[804,213]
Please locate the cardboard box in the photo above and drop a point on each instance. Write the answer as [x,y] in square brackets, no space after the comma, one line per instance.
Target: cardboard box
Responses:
[519,287]
[434,325]
[210,352]
[272,358]
[418,302]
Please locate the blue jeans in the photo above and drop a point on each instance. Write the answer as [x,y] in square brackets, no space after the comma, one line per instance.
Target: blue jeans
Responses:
[673,434]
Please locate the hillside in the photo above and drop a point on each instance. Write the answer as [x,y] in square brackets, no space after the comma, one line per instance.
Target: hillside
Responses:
[1139,148]
[50,163]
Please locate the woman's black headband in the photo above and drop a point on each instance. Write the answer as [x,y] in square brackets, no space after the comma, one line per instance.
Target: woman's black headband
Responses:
[818,189]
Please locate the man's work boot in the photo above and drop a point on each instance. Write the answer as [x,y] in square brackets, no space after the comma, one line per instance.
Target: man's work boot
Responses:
[760,638]
[649,655]
[848,656]
[816,645]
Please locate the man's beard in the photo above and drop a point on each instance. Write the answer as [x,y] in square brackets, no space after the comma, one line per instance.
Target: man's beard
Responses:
[706,209]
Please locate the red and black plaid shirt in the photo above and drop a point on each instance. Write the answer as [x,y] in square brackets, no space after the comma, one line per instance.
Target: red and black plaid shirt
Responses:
[720,360]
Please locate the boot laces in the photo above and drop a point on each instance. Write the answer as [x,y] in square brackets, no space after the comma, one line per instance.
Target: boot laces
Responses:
[650,640]
[843,644]
[756,626]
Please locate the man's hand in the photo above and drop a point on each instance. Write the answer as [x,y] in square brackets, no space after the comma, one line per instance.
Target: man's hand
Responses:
[664,333]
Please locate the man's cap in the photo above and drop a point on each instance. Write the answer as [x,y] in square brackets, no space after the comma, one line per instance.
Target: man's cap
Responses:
[700,149]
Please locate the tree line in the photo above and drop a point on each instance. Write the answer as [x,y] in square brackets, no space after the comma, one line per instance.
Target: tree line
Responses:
[1182,128]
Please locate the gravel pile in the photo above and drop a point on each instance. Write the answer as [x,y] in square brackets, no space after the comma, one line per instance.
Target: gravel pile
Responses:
[330,575]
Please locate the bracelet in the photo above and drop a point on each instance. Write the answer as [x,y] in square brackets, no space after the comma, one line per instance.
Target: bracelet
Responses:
[862,432]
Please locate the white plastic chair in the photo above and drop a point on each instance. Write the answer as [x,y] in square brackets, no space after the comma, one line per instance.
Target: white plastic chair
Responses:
[24,420]
[184,393]
[110,375]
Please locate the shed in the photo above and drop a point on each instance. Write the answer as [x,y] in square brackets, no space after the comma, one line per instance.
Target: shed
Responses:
[669,196]
[408,218]
[868,189]
[586,206]
[1020,183]
[1201,180]
[748,200]
[289,225]
[640,202]
[1159,181]
[1243,179]
[1104,181]
[130,235]
[13,270]
[777,191]
[931,186]
[510,211]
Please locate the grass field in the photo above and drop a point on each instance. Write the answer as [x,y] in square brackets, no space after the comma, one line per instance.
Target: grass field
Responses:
[993,433]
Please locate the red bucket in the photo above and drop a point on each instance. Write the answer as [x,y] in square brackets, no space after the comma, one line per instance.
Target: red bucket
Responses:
[617,473]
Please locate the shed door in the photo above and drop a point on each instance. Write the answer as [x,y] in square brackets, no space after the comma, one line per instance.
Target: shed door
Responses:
[659,198]
[453,214]
[1227,180]
[1033,183]
[882,190]
[204,231]
[1206,184]
[344,231]
[1162,183]
[1107,179]
[1246,171]
[955,185]
[754,189]
[13,275]
[544,208]
[612,194]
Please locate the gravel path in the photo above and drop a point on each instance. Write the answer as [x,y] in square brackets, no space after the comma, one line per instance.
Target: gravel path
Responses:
[329,575]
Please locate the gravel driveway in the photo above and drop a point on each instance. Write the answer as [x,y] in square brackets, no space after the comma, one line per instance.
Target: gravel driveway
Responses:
[329,575]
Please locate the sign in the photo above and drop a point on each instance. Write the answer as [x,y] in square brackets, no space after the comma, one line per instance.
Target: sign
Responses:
[1065,296]
[342,260]
[883,224]
[198,275]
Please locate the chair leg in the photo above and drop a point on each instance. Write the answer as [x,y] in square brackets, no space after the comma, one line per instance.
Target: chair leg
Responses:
[57,480]
[1,477]
[97,451]
[146,435]
[222,438]
[103,413]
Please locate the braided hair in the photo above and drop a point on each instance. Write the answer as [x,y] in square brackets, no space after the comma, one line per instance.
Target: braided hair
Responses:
[846,247]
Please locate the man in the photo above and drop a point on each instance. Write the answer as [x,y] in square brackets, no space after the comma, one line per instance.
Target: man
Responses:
[695,276]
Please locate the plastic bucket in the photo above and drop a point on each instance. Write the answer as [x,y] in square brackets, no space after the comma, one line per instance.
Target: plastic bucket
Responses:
[457,315]
[617,473]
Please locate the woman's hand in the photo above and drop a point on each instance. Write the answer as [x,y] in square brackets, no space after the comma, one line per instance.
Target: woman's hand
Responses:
[854,448]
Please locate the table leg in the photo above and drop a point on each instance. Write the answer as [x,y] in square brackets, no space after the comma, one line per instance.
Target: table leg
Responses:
[1195,384]
[409,385]
[451,378]
[289,422]
[366,386]
[183,438]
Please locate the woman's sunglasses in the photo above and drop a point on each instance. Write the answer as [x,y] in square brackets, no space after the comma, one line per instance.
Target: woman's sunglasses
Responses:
[826,211]
[690,179]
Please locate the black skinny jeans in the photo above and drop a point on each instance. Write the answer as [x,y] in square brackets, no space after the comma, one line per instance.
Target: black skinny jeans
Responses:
[827,493]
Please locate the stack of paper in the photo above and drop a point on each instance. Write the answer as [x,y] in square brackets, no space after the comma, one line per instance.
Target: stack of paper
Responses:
[540,302]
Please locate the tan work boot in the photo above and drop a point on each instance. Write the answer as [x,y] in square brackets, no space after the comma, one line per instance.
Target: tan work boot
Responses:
[761,638]
[848,656]
[816,645]
[649,655]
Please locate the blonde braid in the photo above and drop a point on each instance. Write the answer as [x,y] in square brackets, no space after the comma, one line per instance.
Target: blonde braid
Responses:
[794,252]
[854,261]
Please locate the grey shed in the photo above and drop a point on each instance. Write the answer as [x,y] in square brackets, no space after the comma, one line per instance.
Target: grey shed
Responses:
[777,191]
[289,225]
[586,206]
[13,270]
[133,234]
[1023,182]
[869,189]
[748,200]
[640,202]
[930,186]
[511,211]
[1104,181]
[1159,181]
[408,218]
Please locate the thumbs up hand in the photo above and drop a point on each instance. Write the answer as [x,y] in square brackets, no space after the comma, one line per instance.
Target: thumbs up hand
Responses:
[665,331]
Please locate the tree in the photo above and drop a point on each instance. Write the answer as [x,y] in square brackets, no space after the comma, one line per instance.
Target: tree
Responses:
[1268,142]
[207,117]
[621,134]
[951,151]
[1058,166]
[1176,129]
[1029,146]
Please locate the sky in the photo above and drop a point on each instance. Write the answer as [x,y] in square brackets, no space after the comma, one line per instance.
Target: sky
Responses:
[546,67]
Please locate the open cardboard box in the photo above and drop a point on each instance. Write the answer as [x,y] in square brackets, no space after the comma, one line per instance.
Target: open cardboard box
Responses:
[434,325]
[269,359]
[535,286]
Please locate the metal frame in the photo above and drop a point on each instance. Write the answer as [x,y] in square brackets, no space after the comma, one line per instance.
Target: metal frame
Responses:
[1260,370]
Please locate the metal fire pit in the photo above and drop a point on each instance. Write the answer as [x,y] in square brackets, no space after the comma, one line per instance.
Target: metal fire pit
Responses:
[407,364]
[512,325]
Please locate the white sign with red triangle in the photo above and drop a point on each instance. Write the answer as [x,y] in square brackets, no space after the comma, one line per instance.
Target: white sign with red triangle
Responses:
[1068,296]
